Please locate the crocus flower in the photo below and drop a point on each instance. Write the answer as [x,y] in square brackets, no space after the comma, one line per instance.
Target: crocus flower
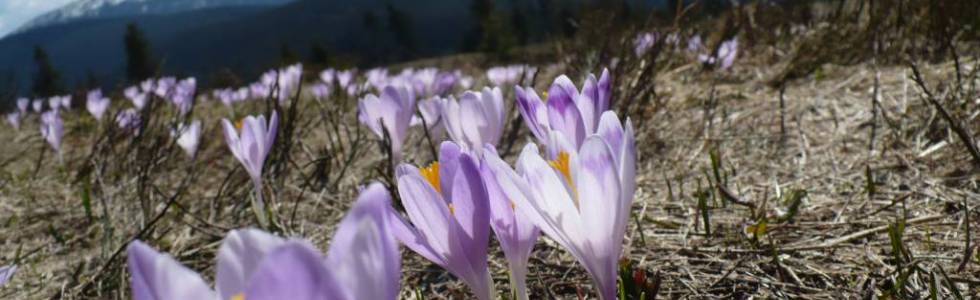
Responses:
[65,101]
[726,53]
[188,137]
[320,91]
[643,42]
[183,93]
[346,77]
[507,75]
[430,112]
[37,105]
[52,129]
[96,104]
[14,119]
[573,114]
[54,103]
[516,233]
[363,263]
[390,113]
[327,76]
[22,104]
[578,200]
[250,147]
[476,119]
[129,120]
[694,44]
[7,272]
[448,216]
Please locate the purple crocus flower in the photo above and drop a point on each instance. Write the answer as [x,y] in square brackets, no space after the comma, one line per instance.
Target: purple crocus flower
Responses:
[188,137]
[723,58]
[515,231]
[727,52]
[694,44]
[54,103]
[164,87]
[147,85]
[392,112]
[66,102]
[476,119]
[37,105]
[52,129]
[14,119]
[156,276]
[643,42]
[328,76]
[578,200]
[363,263]
[430,111]
[320,91]
[129,120]
[448,216]
[182,95]
[364,252]
[96,104]
[7,272]
[22,104]
[568,111]
[345,78]
[250,147]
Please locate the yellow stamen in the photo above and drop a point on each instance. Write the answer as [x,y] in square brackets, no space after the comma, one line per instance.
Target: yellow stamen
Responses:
[513,206]
[544,95]
[452,209]
[562,165]
[239,296]
[431,173]
[238,125]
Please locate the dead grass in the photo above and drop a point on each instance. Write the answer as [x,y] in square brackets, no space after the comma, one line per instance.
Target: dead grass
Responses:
[842,242]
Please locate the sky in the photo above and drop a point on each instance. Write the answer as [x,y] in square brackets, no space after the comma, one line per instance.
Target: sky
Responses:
[14,13]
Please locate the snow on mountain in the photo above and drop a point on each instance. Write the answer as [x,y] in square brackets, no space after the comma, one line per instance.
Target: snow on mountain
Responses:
[94,9]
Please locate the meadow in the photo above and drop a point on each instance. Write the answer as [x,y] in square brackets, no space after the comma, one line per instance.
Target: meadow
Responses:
[658,162]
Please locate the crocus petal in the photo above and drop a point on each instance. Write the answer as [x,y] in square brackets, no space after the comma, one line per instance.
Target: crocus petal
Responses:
[449,154]
[239,258]
[469,198]
[533,111]
[564,116]
[294,271]
[363,253]
[428,213]
[514,231]
[156,276]
[543,197]
[231,139]
[7,272]
[600,195]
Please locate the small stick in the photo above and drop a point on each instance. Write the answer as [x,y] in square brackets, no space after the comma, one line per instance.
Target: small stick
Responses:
[962,132]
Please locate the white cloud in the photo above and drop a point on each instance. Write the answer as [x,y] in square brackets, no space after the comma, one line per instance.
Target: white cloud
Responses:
[14,13]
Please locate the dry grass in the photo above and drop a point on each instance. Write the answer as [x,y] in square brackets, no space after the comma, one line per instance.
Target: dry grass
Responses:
[839,243]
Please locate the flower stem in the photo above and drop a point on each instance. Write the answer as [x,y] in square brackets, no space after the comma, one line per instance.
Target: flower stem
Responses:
[258,206]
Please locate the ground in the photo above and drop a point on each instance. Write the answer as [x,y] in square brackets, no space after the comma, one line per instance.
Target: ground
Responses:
[826,197]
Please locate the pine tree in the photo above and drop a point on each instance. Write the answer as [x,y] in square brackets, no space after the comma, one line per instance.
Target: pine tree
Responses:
[287,56]
[47,81]
[319,56]
[140,64]
[400,25]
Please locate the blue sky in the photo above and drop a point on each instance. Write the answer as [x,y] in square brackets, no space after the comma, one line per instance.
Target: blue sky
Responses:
[13,13]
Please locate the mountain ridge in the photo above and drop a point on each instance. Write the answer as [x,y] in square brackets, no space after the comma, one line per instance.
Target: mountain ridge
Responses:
[94,9]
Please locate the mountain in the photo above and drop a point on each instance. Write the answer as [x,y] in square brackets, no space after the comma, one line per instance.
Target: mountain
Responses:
[248,39]
[244,39]
[93,9]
